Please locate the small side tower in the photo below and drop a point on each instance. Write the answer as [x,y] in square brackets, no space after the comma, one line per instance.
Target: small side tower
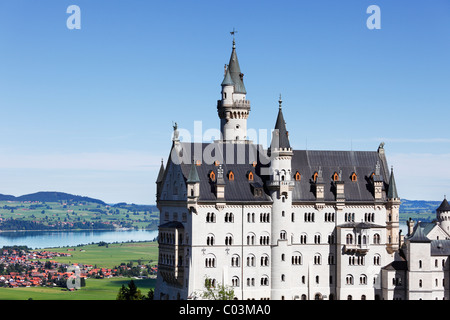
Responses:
[443,215]
[193,188]
[280,186]
[392,215]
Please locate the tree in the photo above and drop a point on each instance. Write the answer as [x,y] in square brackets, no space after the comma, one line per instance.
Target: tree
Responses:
[130,293]
[219,292]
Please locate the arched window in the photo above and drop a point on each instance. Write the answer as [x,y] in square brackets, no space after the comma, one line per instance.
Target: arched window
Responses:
[231,175]
[235,261]
[228,240]
[210,217]
[251,260]
[303,238]
[349,238]
[264,260]
[317,259]
[264,280]
[363,279]
[235,282]
[210,240]
[317,238]
[349,280]
[376,238]
[296,258]
[376,260]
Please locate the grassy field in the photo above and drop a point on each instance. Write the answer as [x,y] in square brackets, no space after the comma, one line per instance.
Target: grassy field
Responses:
[96,289]
[111,255]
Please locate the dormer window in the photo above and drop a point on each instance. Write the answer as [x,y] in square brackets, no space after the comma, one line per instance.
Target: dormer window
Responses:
[298,176]
[335,176]
[231,176]
[198,163]
[250,176]
[316,174]
[354,177]
[212,176]
[216,163]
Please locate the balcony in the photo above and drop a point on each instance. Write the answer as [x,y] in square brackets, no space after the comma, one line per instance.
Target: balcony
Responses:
[356,248]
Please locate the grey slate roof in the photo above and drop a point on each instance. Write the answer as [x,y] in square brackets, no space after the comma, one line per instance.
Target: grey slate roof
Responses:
[420,231]
[397,265]
[193,174]
[235,73]
[392,191]
[444,206]
[280,132]
[161,173]
[239,158]
[362,163]
[227,81]
[440,247]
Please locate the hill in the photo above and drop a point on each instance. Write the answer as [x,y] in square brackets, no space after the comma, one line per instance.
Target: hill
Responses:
[418,206]
[63,211]
[50,196]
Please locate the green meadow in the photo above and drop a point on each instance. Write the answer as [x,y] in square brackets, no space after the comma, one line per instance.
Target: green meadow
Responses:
[111,255]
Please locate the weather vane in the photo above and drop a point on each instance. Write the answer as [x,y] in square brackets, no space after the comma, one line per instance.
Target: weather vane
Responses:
[233,33]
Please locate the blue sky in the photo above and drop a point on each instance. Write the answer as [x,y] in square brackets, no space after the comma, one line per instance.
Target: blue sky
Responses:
[90,111]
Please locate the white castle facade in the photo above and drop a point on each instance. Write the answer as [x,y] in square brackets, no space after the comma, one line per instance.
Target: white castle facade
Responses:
[282,223]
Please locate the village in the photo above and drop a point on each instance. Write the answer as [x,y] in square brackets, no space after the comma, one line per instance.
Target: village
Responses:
[21,267]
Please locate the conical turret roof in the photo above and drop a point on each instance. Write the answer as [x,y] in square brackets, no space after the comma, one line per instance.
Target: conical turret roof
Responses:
[193,175]
[392,191]
[280,129]
[235,72]
[444,206]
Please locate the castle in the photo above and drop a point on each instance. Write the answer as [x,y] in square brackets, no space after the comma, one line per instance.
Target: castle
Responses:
[279,223]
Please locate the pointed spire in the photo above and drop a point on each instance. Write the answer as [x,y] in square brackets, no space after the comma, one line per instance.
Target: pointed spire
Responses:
[161,172]
[392,191]
[193,174]
[235,71]
[280,128]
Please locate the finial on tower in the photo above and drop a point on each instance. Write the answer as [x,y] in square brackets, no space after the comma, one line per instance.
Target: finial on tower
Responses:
[233,33]
[280,102]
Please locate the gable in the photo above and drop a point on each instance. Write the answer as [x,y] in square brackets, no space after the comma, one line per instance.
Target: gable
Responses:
[436,233]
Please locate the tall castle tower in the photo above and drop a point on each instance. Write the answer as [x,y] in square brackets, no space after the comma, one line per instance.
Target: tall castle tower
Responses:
[280,186]
[233,108]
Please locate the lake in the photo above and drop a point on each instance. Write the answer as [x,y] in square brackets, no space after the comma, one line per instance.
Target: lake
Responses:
[50,239]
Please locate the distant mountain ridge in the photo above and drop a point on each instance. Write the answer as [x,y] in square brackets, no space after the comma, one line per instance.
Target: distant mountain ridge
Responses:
[418,206]
[49,196]
[407,206]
